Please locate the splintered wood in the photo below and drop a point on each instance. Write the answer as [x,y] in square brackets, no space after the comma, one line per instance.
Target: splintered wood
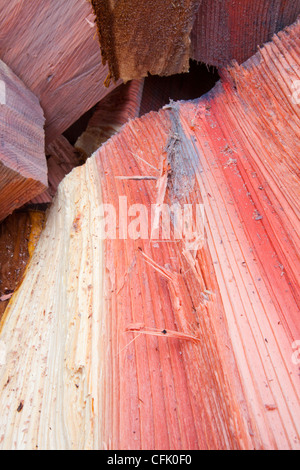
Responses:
[186,340]
[23,167]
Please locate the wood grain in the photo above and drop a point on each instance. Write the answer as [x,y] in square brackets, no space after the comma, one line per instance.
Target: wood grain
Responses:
[138,38]
[62,157]
[159,37]
[76,374]
[23,167]
[51,47]
[224,31]
[109,115]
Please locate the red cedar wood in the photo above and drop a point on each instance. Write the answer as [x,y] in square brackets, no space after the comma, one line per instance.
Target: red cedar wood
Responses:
[140,37]
[14,235]
[211,393]
[226,31]
[109,115]
[238,293]
[62,157]
[120,105]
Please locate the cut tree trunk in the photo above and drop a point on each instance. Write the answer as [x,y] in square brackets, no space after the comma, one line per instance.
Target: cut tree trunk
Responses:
[181,340]
[23,167]
[51,47]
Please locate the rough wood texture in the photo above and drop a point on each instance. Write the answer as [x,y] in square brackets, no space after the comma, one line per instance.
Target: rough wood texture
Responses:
[117,108]
[140,37]
[51,47]
[62,157]
[23,168]
[75,375]
[14,233]
[159,37]
[18,236]
[224,30]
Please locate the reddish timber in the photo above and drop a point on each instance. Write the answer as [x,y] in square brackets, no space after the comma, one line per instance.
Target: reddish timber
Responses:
[23,167]
[52,47]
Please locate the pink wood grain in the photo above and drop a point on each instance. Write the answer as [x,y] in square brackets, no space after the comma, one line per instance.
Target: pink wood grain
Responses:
[23,168]
[53,48]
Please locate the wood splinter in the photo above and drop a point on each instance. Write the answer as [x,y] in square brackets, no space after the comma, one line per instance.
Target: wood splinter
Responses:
[142,329]
[138,177]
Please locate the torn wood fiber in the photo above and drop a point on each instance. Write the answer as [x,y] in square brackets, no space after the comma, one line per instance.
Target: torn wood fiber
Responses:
[138,37]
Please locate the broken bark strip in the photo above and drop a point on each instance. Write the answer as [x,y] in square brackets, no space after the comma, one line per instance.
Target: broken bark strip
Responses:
[76,376]
[69,65]
[140,37]
[23,168]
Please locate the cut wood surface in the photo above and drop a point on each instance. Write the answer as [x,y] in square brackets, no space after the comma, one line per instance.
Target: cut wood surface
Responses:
[53,48]
[23,167]
[160,37]
[183,342]
[224,30]
[140,37]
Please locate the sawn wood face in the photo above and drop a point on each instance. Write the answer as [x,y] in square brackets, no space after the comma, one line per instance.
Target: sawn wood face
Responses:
[75,339]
